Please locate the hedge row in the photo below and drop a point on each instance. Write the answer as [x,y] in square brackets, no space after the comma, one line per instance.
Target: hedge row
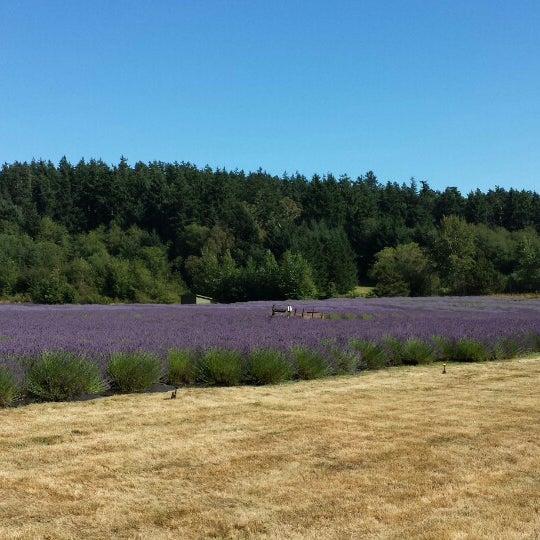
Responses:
[63,375]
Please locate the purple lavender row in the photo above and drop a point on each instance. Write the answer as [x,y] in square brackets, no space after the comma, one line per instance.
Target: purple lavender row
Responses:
[97,331]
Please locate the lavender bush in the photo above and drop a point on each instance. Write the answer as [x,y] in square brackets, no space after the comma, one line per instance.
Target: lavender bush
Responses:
[97,332]
[267,366]
[133,371]
[343,361]
[510,347]
[8,387]
[182,366]
[417,351]
[220,367]
[310,363]
[469,350]
[62,375]
[372,354]
[394,350]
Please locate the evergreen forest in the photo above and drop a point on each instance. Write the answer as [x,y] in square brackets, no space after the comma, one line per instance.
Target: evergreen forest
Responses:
[99,233]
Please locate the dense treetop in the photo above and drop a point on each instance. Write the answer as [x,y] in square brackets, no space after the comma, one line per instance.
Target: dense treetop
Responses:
[91,232]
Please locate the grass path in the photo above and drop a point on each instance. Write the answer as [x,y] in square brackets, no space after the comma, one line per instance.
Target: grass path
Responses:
[401,453]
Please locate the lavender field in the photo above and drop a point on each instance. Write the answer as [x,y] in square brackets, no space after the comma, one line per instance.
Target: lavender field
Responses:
[97,330]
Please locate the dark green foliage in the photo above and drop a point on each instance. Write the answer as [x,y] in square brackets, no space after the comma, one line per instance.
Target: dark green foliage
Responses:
[8,275]
[454,254]
[526,276]
[62,375]
[100,266]
[310,363]
[206,273]
[220,367]
[403,271]
[295,277]
[133,371]
[220,277]
[9,389]
[329,253]
[449,203]
[462,261]
[91,232]
[268,366]
[373,354]
[53,289]
[182,366]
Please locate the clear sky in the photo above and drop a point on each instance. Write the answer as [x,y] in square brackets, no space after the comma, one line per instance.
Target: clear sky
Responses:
[446,91]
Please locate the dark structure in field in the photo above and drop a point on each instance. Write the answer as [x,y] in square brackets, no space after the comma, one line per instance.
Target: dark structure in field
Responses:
[190,298]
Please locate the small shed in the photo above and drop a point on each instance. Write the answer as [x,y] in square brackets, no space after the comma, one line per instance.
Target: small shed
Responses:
[192,298]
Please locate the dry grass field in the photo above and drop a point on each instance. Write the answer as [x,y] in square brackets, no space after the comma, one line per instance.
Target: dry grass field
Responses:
[402,453]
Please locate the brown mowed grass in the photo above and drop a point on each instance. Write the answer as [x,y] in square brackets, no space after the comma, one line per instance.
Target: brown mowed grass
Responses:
[402,453]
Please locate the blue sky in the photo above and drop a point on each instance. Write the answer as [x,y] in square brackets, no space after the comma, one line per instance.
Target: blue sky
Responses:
[446,91]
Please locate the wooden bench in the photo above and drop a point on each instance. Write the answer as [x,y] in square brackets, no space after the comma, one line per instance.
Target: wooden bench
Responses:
[289,311]
[283,311]
[311,313]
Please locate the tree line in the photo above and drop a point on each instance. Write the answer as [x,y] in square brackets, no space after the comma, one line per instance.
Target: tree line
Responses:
[92,232]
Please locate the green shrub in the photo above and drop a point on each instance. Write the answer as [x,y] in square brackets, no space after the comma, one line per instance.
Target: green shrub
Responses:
[444,348]
[220,367]
[439,343]
[182,366]
[344,361]
[267,366]
[310,363]
[8,387]
[469,350]
[395,351]
[62,375]
[507,347]
[373,354]
[534,339]
[133,371]
[460,350]
[416,351]
[53,289]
